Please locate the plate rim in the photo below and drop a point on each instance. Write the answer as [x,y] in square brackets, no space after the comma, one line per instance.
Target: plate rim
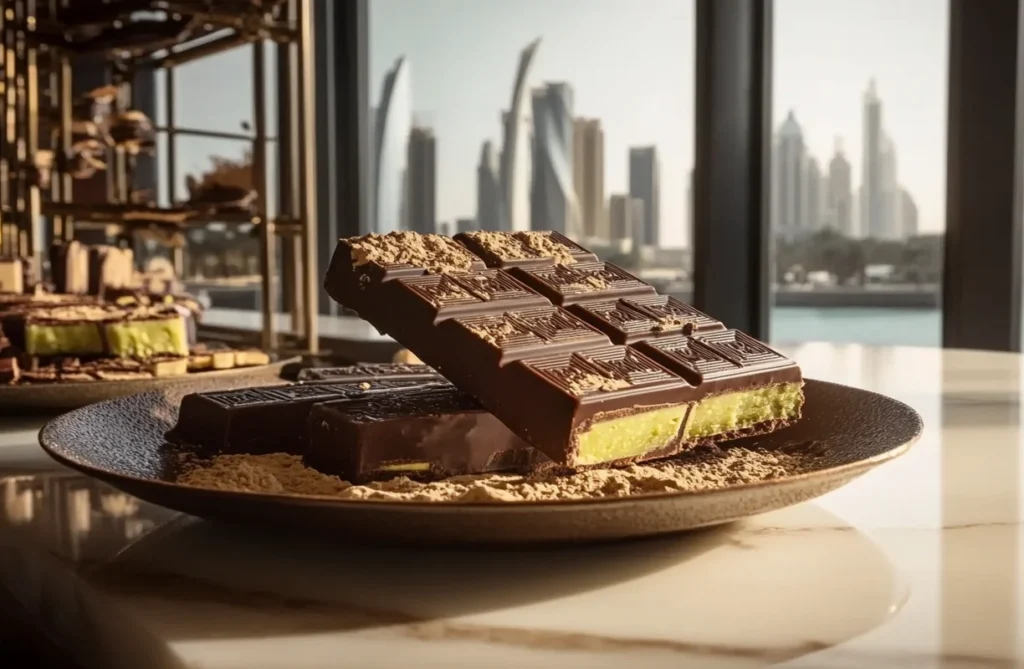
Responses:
[185,378]
[849,470]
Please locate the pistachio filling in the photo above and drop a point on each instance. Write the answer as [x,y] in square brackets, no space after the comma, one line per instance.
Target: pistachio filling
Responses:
[630,436]
[739,410]
[66,339]
[144,339]
[405,467]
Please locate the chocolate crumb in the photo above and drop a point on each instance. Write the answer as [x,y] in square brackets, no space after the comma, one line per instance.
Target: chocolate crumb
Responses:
[703,469]
[542,244]
[435,253]
[502,244]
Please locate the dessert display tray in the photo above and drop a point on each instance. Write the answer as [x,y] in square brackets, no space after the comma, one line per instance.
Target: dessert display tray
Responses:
[45,397]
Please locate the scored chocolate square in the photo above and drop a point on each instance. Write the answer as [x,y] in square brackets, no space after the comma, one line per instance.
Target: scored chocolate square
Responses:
[623,323]
[507,249]
[501,338]
[500,287]
[582,282]
[429,298]
[744,350]
[673,315]
[715,362]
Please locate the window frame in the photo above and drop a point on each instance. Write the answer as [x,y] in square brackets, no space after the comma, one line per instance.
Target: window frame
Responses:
[732,238]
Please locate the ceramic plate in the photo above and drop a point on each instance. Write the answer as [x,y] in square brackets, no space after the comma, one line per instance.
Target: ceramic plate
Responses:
[65,396]
[121,442]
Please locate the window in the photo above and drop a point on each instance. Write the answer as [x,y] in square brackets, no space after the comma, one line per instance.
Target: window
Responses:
[537,115]
[212,110]
[858,170]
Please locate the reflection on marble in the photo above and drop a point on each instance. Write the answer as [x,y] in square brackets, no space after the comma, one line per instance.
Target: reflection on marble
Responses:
[192,592]
[916,564]
[75,517]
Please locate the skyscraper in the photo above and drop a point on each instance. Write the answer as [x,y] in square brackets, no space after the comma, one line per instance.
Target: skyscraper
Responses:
[625,218]
[789,213]
[515,152]
[644,183]
[839,196]
[815,201]
[422,181]
[892,201]
[488,189]
[588,175]
[872,206]
[392,127]
[553,197]
[908,215]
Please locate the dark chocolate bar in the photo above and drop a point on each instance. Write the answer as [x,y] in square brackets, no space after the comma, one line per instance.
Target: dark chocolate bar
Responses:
[633,319]
[554,379]
[425,433]
[262,420]
[365,371]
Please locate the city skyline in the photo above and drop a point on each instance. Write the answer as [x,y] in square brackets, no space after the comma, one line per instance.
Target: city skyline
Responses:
[632,66]
[604,88]
[807,198]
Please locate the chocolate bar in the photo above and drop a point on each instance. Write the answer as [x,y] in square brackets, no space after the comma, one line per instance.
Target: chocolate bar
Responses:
[262,420]
[100,330]
[425,433]
[365,371]
[553,378]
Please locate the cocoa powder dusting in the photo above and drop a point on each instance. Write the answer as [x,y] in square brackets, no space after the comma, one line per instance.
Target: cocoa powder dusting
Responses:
[501,244]
[435,253]
[542,244]
[703,469]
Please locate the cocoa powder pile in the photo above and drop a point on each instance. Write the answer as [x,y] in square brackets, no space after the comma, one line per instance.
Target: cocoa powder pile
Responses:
[703,469]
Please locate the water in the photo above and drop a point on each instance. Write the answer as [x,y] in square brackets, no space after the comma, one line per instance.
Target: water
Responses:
[857,325]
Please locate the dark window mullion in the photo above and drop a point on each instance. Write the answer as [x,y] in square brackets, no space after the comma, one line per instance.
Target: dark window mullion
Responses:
[981,289]
[732,236]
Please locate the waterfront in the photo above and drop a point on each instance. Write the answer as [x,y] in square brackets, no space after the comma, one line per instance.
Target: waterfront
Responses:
[895,325]
[860,325]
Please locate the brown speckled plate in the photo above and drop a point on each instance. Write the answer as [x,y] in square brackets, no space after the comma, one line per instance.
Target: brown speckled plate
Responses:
[121,442]
[54,397]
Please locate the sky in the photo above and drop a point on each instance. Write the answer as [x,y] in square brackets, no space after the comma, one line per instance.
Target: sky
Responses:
[631,64]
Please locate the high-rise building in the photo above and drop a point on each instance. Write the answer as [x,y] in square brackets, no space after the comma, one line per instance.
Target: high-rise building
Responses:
[392,126]
[488,189]
[644,184]
[815,216]
[466,225]
[515,152]
[625,218]
[553,198]
[892,201]
[588,175]
[839,193]
[789,181]
[422,181]
[872,207]
[908,217]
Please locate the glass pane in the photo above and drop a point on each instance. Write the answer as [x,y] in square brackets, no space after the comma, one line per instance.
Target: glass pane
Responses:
[541,115]
[859,165]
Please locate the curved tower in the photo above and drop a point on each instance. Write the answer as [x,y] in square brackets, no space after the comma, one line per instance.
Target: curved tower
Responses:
[554,204]
[392,127]
[515,154]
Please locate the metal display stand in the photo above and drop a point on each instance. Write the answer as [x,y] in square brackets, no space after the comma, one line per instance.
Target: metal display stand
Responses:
[45,146]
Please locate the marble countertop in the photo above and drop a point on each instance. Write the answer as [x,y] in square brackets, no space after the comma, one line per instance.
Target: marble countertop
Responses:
[916,564]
